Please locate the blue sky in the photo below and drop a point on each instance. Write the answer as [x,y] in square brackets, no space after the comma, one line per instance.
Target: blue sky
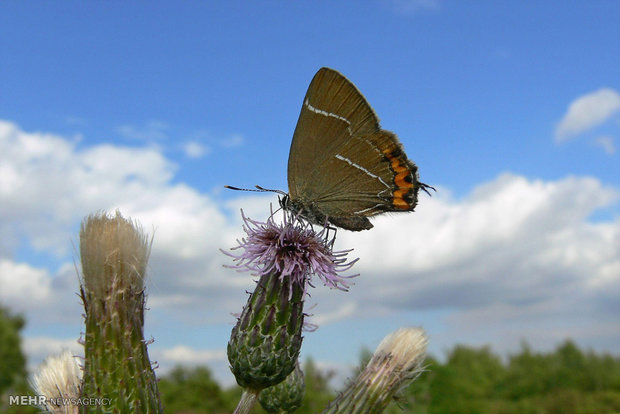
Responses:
[511,109]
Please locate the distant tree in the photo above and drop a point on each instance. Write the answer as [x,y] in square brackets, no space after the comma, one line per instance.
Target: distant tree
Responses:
[318,390]
[527,374]
[192,391]
[568,365]
[12,360]
[602,372]
[467,381]
[13,375]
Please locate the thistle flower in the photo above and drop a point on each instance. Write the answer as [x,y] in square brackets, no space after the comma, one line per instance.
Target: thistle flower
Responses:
[293,249]
[265,343]
[58,380]
[396,363]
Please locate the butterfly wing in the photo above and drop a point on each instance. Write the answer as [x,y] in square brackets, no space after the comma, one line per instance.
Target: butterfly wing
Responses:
[342,166]
[333,109]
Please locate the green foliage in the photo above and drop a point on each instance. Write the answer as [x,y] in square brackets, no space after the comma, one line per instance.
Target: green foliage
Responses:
[476,381]
[194,391]
[318,391]
[12,360]
[12,363]
[471,380]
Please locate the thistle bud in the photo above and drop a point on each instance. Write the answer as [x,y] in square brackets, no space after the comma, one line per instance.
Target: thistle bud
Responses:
[265,343]
[396,363]
[114,254]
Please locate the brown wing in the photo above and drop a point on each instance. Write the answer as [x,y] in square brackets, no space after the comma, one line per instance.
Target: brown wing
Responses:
[332,112]
[341,162]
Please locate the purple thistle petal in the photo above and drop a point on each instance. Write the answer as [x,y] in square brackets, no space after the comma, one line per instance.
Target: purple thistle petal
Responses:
[293,249]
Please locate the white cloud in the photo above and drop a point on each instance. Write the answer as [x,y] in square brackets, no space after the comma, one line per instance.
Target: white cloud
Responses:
[182,354]
[587,112]
[22,283]
[509,236]
[607,143]
[151,131]
[344,311]
[516,259]
[167,358]
[37,348]
[194,149]
[48,185]
[47,345]
[46,298]
[525,247]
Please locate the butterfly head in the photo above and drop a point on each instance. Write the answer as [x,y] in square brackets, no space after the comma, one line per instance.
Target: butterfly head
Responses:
[285,202]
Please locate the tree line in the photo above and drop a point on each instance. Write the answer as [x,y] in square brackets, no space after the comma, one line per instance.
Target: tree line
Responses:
[468,380]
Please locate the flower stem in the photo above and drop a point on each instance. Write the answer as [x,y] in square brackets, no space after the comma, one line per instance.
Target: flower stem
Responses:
[247,402]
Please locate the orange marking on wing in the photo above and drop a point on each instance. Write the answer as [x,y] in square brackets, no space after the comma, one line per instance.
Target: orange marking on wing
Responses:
[404,187]
[399,201]
[400,179]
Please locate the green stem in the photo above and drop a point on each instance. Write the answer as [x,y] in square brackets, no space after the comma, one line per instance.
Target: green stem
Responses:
[247,402]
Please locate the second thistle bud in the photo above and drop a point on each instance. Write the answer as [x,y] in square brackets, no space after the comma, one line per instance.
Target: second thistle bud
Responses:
[285,397]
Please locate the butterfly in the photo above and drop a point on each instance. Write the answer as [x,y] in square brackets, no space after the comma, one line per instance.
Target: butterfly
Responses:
[342,167]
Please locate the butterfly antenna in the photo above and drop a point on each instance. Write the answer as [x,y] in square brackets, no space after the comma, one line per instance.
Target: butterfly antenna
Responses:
[272,191]
[258,189]
[230,187]
[425,188]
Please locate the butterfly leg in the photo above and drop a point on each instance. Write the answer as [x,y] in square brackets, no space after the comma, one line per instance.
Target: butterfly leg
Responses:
[329,239]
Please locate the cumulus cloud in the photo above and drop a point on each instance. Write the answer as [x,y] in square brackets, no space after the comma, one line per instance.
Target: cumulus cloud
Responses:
[22,283]
[344,311]
[512,240]
[587,112]
[49,185]
[182,354]
[168,358]
[515,254]
[37,348]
